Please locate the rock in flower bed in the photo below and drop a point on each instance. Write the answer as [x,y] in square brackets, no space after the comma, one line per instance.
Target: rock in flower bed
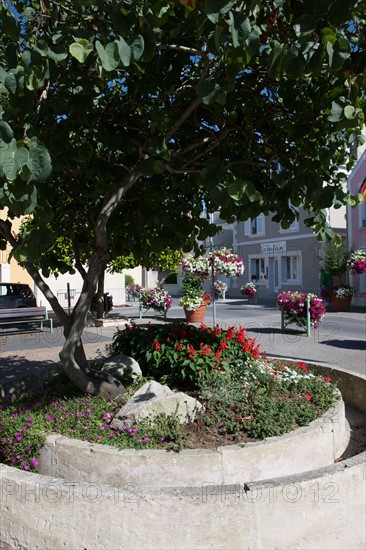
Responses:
[244,396]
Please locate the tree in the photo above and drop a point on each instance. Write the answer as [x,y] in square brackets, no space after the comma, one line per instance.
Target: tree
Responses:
[119,120]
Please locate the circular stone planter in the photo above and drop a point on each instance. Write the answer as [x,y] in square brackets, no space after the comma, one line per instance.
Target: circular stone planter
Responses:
[321,508]
[292,453]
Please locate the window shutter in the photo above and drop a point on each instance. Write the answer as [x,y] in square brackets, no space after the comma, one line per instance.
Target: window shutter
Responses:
[260,224]
[247,227]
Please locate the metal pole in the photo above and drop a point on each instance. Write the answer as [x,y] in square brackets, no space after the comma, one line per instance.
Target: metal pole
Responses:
[213,296]
[68,298]
[213,279]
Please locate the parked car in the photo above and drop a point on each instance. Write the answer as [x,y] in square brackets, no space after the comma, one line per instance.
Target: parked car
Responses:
[16,295]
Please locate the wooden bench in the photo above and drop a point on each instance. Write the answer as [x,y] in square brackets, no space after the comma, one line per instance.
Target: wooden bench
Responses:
[23,315]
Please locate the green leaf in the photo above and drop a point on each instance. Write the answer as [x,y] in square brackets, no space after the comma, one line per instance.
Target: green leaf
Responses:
[11,83]
[240,28]
[215,8]
[315,62]
[11,56]
[59,53]
[108,55]
[80,50]
[294,62]
[208,91]
[338,53]
[252,42]
[337,112]
[137,47]
[236,191]
[39,162]
[124,51]
[21,157]
[305,25]
[6,133]
[350,112]
[8,165]
[159,146]
[275,60]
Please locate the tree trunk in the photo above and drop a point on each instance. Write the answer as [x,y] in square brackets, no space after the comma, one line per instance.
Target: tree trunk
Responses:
[100,295]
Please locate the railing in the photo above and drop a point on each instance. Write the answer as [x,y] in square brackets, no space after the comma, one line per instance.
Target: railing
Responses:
[304,322]
[118,295]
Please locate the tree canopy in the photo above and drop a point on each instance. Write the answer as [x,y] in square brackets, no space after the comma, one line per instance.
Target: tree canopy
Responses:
[119,120]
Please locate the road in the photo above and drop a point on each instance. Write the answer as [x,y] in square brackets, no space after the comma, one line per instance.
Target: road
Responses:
[340,341]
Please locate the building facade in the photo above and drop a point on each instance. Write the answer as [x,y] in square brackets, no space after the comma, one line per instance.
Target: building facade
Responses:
[276,259]
[357,227]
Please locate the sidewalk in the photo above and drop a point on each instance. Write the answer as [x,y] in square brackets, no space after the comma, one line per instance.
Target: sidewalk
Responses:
[340,341]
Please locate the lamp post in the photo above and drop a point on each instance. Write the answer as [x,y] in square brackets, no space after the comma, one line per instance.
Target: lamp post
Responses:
[213,278]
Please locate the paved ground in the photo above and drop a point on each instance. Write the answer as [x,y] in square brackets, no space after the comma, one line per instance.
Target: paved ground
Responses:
[340,341]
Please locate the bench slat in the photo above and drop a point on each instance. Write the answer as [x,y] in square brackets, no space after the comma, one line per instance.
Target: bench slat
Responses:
[23,315]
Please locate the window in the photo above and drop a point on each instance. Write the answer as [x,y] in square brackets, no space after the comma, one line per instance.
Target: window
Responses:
[293,227]
[363,214]
[258,269]
[255,226]
[295,224]
[290,268]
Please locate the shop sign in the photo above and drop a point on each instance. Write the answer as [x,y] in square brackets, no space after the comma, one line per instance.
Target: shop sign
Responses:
[273,248]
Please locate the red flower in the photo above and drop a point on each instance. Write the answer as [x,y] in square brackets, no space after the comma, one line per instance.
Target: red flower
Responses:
[327,378]
[308,396]
[178,347]
[156,345]
[301,366]
[206,350]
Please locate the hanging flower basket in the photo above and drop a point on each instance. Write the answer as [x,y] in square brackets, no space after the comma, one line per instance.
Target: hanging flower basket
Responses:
[249,290]
[220,289]
[223,262]
[356,263]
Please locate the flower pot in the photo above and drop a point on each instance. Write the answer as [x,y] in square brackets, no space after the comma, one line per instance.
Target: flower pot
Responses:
[197,315]
[341,304]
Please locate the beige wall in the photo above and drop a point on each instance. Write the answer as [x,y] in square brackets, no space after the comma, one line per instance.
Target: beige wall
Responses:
[15,274]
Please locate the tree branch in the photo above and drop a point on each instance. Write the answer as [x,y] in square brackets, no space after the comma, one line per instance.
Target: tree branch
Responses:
[182,118]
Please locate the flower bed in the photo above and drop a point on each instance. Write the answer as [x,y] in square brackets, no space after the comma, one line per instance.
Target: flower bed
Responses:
[300,308]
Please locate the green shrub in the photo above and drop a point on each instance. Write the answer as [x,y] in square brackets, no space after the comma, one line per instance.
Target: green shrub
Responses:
[171,279]
[178,353]
[191,286]
[129,280]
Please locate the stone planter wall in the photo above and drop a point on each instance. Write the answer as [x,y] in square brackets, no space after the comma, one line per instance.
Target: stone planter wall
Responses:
[324,508]
[292,453]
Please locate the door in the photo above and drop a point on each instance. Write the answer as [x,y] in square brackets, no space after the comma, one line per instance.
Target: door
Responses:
[273,275]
